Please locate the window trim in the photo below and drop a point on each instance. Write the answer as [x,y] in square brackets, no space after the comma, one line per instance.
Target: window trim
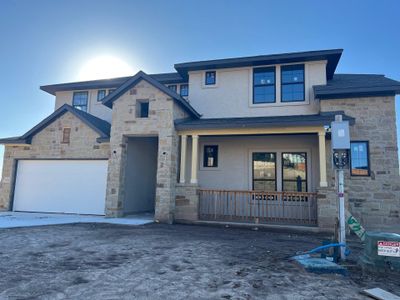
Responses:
[276,169]
[180,90]
[175,85]
[306,169]
[98,92]
[304,83]
[63,139]
[368,159]
[205,78]
[87,100]
[260,85]
[139,103]
[204,156]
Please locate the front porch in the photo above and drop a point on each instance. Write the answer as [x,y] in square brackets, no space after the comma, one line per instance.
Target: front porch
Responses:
[262,176]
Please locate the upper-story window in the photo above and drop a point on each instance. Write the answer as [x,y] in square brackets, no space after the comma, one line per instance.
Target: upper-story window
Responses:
[172,87]
[264,85]
[292,83]
[210,78]
[80,100]
[184,90]
[101,94]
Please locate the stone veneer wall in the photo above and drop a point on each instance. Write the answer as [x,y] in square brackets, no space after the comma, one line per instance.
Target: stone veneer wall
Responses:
[162,112]
[187,202]
[47,145]
[373,200]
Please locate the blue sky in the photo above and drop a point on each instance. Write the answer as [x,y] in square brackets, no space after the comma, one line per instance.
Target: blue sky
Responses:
[45,42]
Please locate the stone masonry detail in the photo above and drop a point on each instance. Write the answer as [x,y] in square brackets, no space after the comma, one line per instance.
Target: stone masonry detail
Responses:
[373,200]
[160,123]
[46,144]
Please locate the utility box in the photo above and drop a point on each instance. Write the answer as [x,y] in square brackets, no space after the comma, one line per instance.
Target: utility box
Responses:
[340,135]
[381,252]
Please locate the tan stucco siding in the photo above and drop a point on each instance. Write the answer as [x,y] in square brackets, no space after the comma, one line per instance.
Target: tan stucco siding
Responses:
[234,159]
[233,93]
[47,145]
[95,107]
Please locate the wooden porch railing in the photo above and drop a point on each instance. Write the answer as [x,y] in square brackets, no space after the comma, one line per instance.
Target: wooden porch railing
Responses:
[291,208]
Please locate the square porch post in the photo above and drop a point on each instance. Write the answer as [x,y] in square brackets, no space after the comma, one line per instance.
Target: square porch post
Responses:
[322,159]
[183,159]
[195,150]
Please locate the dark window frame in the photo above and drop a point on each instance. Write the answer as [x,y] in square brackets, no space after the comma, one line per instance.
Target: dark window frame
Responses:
[368,159]
[87,100]
[215,78]
[98,95]
[291,83]
[139,109]
[216,160]
[175,89]
[276,169]
[294,180]
[261,85]
[180,90]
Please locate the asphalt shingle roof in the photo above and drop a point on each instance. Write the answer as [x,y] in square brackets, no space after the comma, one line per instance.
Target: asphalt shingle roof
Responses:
[322,119]
[357,85]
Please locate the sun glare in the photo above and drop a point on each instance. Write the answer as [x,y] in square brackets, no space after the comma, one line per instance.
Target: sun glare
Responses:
[105,66]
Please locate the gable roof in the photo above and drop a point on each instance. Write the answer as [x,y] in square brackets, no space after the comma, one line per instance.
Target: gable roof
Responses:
[165,78]
[323,119]
[100,126]
[108,100]
[357,85]
[332,56]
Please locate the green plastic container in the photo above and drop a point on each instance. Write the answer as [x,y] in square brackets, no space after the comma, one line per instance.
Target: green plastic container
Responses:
[372,261]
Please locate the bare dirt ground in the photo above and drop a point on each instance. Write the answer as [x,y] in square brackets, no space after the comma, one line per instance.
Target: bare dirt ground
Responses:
[97,261]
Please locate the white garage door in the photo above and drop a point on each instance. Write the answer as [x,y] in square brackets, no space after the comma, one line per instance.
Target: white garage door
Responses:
[63,186]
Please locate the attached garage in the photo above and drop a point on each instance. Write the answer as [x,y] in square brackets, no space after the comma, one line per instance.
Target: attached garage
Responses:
[61,186]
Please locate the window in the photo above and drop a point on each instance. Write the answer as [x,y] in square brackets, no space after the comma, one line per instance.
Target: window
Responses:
[264,85]
[210,157]
[294,172]
[142,108]
[110,91]
[292,83]
[264,171]
[184,90]
[101,94]
[172,87]
[359,159]
[80,100]
[210,77]
[66,135]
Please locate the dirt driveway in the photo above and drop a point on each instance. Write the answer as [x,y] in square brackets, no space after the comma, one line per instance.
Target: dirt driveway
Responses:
[98,261]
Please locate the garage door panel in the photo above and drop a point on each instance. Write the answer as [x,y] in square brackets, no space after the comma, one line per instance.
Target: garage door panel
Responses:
[66,186]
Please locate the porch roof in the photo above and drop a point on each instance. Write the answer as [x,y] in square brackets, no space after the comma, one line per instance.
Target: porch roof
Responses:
[321,119]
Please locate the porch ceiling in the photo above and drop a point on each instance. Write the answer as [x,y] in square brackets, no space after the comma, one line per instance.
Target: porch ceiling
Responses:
[293,124]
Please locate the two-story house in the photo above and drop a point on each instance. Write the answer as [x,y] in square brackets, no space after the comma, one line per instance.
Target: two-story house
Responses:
[239,139]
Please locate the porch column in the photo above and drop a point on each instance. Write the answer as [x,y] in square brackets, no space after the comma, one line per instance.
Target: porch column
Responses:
[322,159]
[183,159]
[195,146]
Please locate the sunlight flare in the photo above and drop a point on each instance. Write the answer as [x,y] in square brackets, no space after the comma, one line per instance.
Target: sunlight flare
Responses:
[105,66]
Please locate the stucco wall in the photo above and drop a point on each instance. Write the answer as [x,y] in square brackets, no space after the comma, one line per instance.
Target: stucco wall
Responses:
[233,93]
[94,107]
[162,111]
[141,171]
[234,159]
[47,144]
[374,200]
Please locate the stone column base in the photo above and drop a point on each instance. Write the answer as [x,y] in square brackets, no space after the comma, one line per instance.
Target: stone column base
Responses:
[327,208]
[186,202]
